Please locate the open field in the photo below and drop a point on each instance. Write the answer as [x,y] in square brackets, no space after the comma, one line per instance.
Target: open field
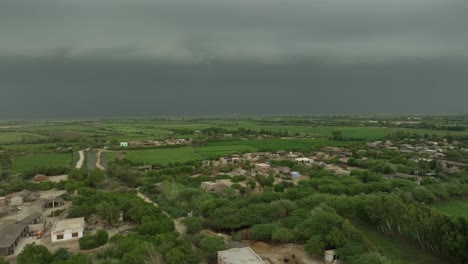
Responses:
[17,137]
[280,144]
[28,162]
[184,154]
[217,149]
[453,207]
[395,249]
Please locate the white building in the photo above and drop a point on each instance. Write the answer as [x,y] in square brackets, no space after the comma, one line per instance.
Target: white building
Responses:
[304,160]
[123,144]
[68,229]
[239,256]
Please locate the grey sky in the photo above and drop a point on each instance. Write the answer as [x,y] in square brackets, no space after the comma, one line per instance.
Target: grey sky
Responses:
[145,57]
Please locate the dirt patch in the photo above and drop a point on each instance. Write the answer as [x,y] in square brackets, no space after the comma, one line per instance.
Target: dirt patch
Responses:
[58,178]
[277,253]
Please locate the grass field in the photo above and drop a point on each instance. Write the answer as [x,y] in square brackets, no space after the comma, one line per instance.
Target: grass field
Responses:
[17,137]
[453,207]
[217,149]
[33,147]
[395,249]
[29,162]
[165,156]
[280,144]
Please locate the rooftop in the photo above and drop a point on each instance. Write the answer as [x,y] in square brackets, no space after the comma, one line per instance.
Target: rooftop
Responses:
[240,256]
[9,233]
[28,219]
[72,223]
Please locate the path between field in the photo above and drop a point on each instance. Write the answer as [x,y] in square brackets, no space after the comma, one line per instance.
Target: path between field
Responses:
[80,162]
[98,160]
[178,226]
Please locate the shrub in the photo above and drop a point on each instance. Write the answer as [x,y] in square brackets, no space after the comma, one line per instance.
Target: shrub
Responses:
[94,241]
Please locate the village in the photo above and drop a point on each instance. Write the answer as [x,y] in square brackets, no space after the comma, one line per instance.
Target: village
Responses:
[41,216]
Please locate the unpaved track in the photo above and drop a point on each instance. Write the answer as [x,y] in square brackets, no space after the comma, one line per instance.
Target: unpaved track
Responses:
[178,226]
[80,162]
[98,160]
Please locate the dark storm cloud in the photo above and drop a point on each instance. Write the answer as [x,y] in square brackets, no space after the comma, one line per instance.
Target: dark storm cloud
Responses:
[84,88]
[267,30]
[91,58]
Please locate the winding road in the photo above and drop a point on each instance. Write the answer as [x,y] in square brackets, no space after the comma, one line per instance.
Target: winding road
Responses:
[80,162]
[182,229]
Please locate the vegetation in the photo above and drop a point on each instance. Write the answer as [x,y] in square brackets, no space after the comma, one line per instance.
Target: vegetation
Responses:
[369,216]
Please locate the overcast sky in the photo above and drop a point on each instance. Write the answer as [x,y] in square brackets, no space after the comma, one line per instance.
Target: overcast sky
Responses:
[96,58]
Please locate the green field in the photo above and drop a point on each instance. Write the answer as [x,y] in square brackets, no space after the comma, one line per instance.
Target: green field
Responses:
[17,137]
[395,249]
[29,162]
[280,144]
[165,156]
[453,207]
[217,149]
[33,147]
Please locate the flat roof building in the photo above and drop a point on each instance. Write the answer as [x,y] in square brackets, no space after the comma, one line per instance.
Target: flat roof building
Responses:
[68,229]
[10,234]
[239,256]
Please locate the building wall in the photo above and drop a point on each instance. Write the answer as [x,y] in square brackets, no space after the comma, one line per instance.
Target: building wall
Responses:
[16,200]
[67,235]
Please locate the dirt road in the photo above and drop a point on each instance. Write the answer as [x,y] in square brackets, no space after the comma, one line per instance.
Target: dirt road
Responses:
[80,162]
[98,160]
[178,226]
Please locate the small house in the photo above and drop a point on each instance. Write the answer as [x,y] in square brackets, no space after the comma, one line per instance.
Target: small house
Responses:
[262,167]
[123,144]
[295,175]
[19,198]
[330,257]
[239,256]
[68,229]
[213,186]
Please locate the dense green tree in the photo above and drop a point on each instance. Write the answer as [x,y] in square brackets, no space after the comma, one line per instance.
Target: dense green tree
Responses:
[211,245]
[108,212]
[35,254]
[283,235]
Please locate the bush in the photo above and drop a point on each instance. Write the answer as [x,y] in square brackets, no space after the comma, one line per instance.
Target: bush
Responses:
[94,241]
[283,235]
[193,224]
[263,232]
[35,254]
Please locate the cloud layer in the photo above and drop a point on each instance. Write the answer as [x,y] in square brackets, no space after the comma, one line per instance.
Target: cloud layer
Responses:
[93,58]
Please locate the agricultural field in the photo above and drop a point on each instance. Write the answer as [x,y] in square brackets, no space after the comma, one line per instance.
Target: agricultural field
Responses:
[453,207]
[280,144]
[221,148]
[24,163]
[396,250]
[184,154]
[7,137]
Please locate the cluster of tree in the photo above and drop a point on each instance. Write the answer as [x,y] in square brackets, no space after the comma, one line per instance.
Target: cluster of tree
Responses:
[125,172]
[78,178]
[39,254]
[90,241]
[48,171]
[242,132]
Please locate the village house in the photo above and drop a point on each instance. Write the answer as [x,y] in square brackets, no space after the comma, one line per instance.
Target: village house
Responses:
[303,160]
[216,186]
[239,256]
[10,234]
[330,257]
[262,167]
[68,229]
[123,144]
[22,197]
[40,177]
